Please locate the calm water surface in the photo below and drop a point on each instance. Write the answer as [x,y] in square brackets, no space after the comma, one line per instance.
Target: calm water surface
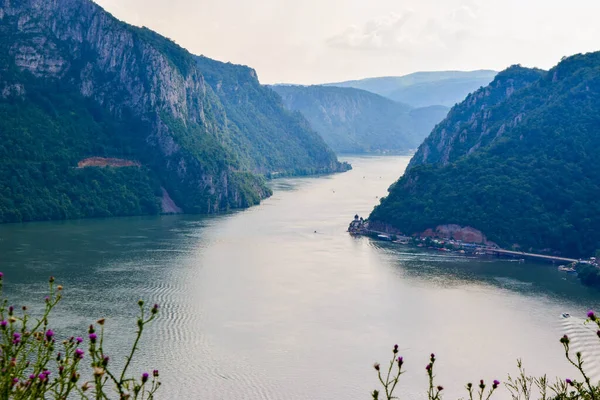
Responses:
[279,302]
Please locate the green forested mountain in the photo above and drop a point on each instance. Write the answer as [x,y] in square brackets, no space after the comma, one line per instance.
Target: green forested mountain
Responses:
[76,83]
[265,136]
[356,121]
[422,89]
[517,160]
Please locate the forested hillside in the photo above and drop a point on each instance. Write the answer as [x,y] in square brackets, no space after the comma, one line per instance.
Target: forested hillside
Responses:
[77,83]
[266,137]
[356,121]
[521,165]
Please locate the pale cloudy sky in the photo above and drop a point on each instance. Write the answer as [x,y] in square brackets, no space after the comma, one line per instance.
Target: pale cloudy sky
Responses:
[316,41]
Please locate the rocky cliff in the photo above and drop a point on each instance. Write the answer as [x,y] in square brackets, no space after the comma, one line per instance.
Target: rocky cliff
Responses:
[130,93]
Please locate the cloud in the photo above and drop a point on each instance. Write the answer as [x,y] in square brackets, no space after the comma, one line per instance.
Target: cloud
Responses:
[379,33]
[410,30]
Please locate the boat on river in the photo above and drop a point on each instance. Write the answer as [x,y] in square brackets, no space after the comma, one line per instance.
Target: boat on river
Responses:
[566,269]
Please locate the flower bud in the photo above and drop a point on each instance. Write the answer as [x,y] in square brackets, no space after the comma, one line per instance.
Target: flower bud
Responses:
[51,280]
[145,377]
[100,321]
[376,366]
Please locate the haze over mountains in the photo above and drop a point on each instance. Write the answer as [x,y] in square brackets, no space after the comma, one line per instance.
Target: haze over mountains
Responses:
[356,121]
[422,89]
[516,160]
[367,116]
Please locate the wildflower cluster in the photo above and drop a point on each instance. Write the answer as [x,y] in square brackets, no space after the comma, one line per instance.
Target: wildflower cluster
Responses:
[35,364]
[521,387]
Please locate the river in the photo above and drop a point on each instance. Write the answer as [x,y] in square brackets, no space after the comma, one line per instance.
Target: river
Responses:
[279,302]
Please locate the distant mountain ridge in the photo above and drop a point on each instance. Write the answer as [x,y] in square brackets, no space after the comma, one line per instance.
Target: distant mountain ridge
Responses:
[517,160]
[357,121]
[422,89]
[76,83]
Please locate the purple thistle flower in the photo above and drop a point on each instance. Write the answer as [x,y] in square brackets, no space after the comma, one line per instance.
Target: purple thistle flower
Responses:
[145,377]
[591,315]
[15,380]
[495,384]
[47,299]
[79,353]
[400,361]
[49,334]
[428,367]
[11,309]
[1,275]
[155,373]
[32,376]
[569,382]
[3,324]
[79,339]
[93,337]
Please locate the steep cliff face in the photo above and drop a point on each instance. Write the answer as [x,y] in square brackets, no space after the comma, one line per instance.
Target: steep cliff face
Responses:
[471,124]
[356,121]
[107,89]
[517,161]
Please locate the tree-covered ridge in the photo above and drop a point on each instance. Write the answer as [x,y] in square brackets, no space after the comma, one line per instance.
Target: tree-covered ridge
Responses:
[535,186]
[77,83]
[356,121]
[266,137]
[472,124]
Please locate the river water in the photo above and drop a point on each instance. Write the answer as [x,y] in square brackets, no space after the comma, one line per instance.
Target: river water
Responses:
[279,302]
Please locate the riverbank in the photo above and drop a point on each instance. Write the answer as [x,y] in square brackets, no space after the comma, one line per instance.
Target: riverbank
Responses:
[587,270]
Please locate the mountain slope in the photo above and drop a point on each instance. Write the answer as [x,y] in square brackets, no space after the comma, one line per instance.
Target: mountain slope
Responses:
[357,121]
[523,167]
[77,83]
[266,137]
[469,125]
[422,89]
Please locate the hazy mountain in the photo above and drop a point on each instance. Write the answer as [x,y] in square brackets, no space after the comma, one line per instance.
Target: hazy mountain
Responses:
[357,121]
[80,89]
[516,160]
[422,89]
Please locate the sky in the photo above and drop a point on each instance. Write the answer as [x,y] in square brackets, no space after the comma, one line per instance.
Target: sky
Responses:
[318,41]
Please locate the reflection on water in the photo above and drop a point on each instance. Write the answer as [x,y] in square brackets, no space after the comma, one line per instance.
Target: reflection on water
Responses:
[278,302]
